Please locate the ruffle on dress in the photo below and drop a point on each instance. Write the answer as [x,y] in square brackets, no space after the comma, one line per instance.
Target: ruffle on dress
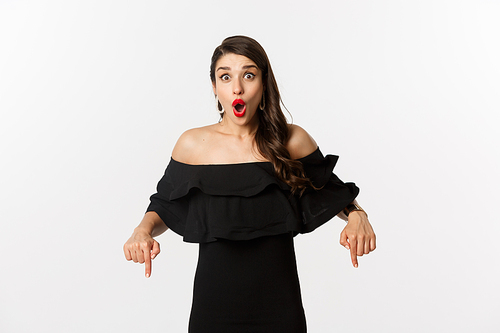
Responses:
[243,201]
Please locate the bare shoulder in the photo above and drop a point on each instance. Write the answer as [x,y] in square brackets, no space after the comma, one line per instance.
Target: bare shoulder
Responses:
[300,143]
[190,143]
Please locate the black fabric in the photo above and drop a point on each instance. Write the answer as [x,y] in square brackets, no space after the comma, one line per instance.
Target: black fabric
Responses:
[247,286]
[204,203]
[244,219]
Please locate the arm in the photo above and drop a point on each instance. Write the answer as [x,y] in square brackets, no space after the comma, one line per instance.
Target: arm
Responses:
[358,236]
[141,247]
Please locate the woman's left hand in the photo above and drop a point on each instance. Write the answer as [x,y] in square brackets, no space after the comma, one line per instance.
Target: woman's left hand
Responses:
[358,236]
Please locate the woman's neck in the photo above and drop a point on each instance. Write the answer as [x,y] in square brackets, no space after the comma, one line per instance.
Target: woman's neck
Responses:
[228,127]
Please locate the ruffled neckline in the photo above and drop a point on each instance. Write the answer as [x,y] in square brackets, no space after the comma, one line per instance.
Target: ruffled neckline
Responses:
[239,201]
[242,179]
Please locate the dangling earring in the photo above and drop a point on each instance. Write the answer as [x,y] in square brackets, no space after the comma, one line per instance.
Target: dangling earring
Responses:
[218,105]
[262,103]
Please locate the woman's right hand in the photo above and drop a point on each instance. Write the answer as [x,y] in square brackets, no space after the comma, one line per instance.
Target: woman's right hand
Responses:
[141,248]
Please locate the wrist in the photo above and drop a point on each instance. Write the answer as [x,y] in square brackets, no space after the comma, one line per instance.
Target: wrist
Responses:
[353,207]
[361,213]
[142,230]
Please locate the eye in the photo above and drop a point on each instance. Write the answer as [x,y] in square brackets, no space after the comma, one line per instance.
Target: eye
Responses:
[224,77]
[249,76]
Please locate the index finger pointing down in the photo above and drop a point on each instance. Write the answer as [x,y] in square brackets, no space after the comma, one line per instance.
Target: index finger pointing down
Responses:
[353,250]
[147,262]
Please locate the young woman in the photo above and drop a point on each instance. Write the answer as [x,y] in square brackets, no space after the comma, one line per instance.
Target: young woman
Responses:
[242,188]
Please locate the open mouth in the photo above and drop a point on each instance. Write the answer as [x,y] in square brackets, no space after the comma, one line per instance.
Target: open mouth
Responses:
[239,107]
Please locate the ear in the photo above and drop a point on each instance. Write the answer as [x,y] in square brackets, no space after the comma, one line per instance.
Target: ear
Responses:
[213,88]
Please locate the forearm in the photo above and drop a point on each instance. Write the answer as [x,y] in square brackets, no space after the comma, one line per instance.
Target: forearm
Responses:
[151,224]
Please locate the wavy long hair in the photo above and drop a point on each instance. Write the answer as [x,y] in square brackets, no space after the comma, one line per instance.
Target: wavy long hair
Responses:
[273,131]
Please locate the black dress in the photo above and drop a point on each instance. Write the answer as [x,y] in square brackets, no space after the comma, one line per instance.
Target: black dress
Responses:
[244,220]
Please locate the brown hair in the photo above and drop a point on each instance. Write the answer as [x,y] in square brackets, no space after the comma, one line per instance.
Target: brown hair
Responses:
[272,133]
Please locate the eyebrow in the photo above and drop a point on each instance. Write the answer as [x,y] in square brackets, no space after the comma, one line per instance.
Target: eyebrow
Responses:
[244,67]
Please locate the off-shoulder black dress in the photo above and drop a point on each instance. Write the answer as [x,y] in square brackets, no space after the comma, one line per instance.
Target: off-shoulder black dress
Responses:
[244,220]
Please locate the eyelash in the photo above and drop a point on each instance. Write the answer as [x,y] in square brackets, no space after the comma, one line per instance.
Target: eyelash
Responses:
[224,75]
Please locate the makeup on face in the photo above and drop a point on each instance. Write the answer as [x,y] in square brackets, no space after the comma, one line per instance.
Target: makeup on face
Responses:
[239,107]
[238,85]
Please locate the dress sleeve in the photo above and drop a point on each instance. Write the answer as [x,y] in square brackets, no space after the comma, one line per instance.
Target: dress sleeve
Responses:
[171,212]
[331,195]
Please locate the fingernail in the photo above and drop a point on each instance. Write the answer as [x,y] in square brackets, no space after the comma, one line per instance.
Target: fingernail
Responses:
[356,265]
[147,275]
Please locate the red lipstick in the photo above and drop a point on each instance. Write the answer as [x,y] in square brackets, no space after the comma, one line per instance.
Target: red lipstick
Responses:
[239,107]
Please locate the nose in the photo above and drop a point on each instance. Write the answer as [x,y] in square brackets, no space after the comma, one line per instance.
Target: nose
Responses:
[237,87]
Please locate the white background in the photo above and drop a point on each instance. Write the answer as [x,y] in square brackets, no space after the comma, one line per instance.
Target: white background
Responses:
[94,94]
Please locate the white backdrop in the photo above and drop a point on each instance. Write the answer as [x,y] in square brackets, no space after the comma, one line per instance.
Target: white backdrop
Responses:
[94,94]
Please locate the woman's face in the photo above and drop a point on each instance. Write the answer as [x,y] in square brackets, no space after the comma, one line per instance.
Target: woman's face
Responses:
[238,84]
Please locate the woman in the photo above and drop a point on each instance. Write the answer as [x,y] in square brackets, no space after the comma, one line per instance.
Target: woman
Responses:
[242,188]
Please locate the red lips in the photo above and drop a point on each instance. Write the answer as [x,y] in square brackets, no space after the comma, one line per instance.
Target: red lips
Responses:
[239,107]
